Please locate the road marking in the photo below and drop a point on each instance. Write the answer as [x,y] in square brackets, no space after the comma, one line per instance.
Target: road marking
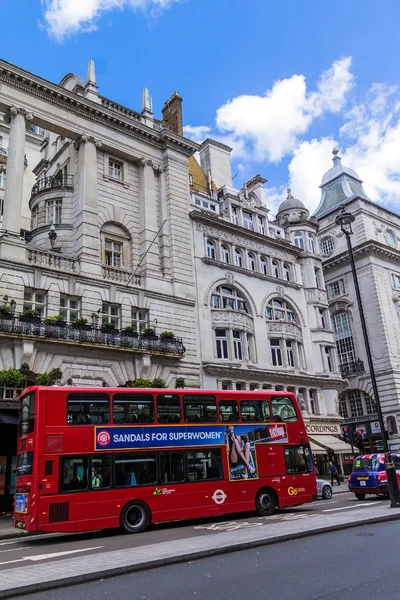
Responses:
[38,557]
[355,506]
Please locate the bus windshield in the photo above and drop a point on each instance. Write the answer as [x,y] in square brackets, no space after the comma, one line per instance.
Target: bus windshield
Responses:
[27,414]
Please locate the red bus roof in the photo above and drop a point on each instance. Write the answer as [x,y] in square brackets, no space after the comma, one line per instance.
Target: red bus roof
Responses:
[158,390]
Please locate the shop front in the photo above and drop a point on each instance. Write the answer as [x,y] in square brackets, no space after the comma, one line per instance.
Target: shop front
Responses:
[8,452]
[326,446]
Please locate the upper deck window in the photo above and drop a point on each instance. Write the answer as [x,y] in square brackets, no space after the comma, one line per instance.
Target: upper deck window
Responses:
[27,414]
[168,408]
[88,408]
[283,409]
[255,411]
[200,408]
[133,408]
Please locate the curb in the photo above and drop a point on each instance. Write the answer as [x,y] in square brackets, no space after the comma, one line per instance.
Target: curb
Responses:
[152,564]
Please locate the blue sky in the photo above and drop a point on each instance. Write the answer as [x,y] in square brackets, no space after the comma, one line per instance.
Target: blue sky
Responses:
[281,81]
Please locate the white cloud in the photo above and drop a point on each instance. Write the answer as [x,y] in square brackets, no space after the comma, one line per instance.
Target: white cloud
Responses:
[197,133]
[68,17]
[271,126]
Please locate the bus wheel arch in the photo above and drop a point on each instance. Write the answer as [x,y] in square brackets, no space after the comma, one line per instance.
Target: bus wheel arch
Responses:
[135,517]
[266,501]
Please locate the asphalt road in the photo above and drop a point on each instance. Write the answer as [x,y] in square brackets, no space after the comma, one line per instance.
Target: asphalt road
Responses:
[352,564]
[16,553]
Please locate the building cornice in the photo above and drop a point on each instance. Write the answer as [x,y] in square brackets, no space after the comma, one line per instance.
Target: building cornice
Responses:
[249,273]
[126,121]
[368,248]
[243,233]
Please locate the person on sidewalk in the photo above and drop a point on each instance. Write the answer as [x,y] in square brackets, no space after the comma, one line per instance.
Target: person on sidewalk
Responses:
[334,472]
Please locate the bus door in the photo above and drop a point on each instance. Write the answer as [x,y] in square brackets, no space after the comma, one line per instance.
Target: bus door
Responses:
[171,491]
[208,490]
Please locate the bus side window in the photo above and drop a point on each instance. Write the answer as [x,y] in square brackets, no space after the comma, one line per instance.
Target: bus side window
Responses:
[74,473]
[171,467]
[169,408]
[88,408]
[255,411]
[133,408]
[200,408]
[100,471]
[228,411]
[283,409]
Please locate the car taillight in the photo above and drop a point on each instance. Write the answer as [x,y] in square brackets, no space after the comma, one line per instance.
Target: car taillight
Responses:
[348,479]
[382,477]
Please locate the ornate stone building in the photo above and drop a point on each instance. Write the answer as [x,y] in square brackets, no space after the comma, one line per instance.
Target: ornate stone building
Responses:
[376,244]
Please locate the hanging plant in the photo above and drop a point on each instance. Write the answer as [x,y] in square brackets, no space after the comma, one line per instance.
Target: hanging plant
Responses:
[149,332]
[167,335]
[55,320]
[5,309]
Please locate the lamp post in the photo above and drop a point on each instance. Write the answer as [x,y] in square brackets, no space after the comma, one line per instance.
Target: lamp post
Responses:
[345,220]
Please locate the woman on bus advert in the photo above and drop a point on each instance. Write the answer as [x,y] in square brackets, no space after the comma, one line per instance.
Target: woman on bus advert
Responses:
[240,453]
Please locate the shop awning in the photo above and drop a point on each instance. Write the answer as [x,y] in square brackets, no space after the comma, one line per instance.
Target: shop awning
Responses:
[8,419]
[321,443]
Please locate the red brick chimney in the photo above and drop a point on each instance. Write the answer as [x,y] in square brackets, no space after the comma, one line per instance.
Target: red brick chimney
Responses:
[172,114]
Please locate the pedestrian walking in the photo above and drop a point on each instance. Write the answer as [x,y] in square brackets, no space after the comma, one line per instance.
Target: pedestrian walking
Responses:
[334,472]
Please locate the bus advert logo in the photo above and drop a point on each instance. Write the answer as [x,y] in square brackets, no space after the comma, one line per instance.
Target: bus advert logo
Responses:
[277,432]
[294,491]
[103,438]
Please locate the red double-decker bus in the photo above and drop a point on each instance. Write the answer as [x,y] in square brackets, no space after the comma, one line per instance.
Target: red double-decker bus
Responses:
[103,458]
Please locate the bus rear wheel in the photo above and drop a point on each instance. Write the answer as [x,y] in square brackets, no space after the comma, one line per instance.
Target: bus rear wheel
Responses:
[135,517]
[265,502]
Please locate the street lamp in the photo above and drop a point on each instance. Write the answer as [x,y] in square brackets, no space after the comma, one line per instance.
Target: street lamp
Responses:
[345,220]
[52,236]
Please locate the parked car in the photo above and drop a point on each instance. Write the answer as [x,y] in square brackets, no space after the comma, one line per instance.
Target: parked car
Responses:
[369,476]
[324,489]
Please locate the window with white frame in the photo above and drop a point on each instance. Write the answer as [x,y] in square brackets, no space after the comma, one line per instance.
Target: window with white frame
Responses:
[54,212]
[113,253]
[328,358]
[250,345]
[355,403]
[235,215]
[369,404]
[322,318]
[336,289]
[279,310]
[251,261]
[261,225]
[115,169]
[276,352]
[210,249]
[35,300]
[225,253]
[311,243]
[237,344]
[228,298]
[286,272]
[264,266]
[2,180]
[396,281]
[110,313]
[221,341]
[34,217]
[238,257]
[343,412]
[275,269]
[69,308]
[299,240]
[317,273]
[344,338]
[290,353]
[206,204]
[139,319]
[248,220]
[327,245]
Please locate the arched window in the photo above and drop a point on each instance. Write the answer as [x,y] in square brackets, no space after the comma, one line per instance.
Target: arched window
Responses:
[279,310]
[311,243]
[251,261]
[115,245]
[225,253]
[264,266]
[229,298]
[210,249]
[299,239]
[275,269]
[286,272]
[238,257]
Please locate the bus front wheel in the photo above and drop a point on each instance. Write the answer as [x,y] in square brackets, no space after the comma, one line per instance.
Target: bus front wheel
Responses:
[135,517]
[265,502]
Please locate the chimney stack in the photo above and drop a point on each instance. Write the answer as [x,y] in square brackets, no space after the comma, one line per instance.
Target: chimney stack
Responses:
[172,114]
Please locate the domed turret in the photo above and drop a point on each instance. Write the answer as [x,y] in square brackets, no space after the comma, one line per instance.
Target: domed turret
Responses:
[339,185]
[291,210]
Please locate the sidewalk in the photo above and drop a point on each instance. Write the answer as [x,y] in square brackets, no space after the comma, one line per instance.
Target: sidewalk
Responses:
[63,572]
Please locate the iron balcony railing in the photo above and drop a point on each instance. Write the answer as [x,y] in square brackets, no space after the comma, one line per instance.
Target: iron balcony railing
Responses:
[21,325]
[351,368]
[52,183]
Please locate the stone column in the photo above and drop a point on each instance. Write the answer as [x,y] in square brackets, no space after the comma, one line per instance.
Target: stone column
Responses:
[164,233]
[149,246]
[87,233]
[15,170]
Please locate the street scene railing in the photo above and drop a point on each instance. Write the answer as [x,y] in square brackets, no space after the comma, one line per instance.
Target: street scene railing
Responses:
[352,368]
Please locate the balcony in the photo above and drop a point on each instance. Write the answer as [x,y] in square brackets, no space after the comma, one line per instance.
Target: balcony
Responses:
[121,276]
[34,327]
[58,182]
[351,368]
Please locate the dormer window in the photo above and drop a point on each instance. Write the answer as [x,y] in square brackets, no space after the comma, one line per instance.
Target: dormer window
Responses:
[248,220]
[206,204]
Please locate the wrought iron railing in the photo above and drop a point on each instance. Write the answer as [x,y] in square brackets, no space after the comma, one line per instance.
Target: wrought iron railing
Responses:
[38,328]
[51,183]
[352,368]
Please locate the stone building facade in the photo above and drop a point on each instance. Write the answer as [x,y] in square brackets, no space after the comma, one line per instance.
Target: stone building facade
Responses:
[376,244]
